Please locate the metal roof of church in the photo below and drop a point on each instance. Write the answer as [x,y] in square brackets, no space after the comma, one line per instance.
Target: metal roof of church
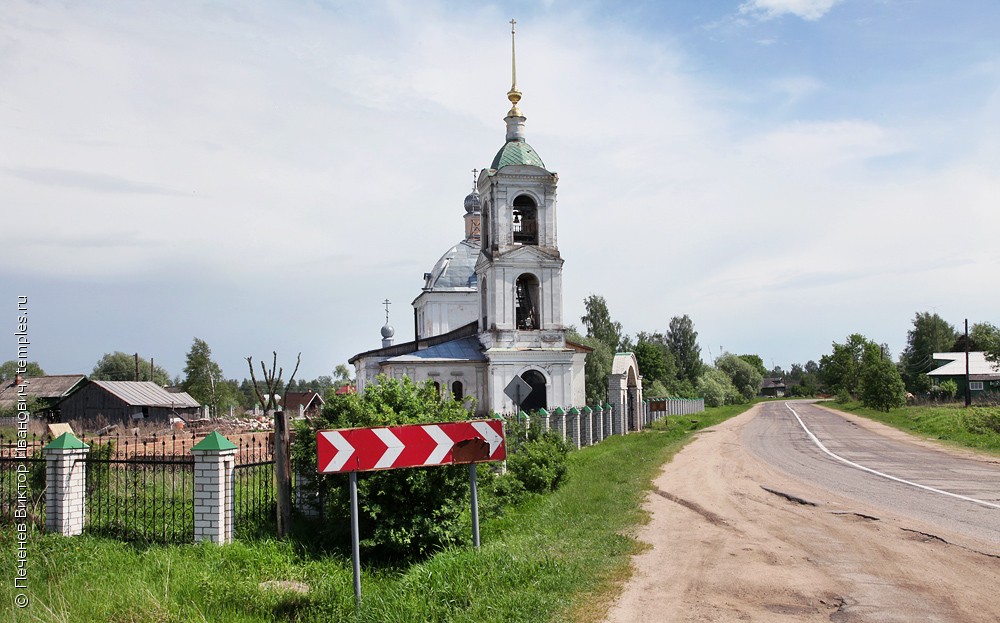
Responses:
[464,349]
[517,152]
[456,270]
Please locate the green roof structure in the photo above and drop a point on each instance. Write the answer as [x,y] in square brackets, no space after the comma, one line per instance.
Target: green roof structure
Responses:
[214,442]
[517,152]
[66,441]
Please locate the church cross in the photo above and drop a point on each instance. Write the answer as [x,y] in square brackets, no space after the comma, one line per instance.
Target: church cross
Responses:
[387,303]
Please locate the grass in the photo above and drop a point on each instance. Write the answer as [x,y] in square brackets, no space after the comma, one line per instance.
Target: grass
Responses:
[975,427]
[559,557]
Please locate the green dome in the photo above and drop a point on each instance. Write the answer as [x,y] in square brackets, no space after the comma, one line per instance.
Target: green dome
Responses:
[516,152]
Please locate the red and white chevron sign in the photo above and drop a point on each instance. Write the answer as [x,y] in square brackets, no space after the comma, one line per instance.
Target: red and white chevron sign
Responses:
[413,445]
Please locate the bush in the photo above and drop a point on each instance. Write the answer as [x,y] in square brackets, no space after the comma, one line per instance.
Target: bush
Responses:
[843,397]
[403,514]
[540,464]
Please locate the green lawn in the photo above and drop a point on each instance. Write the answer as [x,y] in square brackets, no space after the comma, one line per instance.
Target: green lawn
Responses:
[975,427]
[551,559]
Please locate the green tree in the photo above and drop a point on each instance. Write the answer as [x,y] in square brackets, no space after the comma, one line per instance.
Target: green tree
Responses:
[984,336]
[682,340]
[204,381]
[746,378]
[119,366]
[840,371]
[8,370]
[599,324]
[758,364]
[655,361]
[930,334]
[406,513]
[882,386]
[716,388]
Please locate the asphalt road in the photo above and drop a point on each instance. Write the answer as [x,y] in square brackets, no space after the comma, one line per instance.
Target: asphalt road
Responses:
[947,492]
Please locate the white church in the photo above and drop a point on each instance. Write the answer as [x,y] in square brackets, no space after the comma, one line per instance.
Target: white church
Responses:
[492,306]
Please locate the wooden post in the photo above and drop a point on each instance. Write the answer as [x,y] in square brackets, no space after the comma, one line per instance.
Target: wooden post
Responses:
[283,473]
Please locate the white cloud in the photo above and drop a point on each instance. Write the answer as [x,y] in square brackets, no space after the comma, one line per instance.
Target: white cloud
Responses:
[267,175]
[806,9]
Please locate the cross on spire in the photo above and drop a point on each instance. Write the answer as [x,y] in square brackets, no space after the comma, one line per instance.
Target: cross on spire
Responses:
[387,303]
[475,172]
[513,95]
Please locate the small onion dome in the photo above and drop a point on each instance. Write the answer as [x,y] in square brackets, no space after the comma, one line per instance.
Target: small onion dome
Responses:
[388,332]
[472,203]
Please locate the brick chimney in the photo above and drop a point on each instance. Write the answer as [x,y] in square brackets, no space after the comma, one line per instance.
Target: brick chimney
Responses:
[18,379]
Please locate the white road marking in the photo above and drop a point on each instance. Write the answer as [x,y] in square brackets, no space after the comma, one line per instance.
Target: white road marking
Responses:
[820,445]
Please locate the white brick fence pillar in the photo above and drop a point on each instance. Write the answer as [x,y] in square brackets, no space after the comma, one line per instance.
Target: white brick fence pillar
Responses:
[559,422]
[66,479]
[616,419]
[546,419]
[214,460]
[574,427]
[599,424]
[586,426]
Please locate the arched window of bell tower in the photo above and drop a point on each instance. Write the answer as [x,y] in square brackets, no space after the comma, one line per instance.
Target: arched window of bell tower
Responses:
[527,313]
[525,220]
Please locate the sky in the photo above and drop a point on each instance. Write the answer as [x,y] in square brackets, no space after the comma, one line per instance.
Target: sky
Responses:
[263,174]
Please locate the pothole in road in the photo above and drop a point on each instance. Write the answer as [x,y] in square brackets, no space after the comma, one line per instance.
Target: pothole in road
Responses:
[790,497]
[855,514]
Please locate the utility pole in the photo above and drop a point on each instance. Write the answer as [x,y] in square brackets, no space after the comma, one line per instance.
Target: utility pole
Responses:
[968,386]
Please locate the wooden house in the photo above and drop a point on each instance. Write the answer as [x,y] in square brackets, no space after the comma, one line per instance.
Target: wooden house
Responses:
[126,402]
[46,391]
[303,404]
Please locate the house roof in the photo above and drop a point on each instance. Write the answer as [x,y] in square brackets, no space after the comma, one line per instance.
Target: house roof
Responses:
[955,366]
[772,383]
[307,400]
[146,394]
[44,387]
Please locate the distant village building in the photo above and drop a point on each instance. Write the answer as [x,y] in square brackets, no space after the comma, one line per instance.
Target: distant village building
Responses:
[47,391]
[492,306]
[984,375]
[773,387]
[126,402]
[303,404]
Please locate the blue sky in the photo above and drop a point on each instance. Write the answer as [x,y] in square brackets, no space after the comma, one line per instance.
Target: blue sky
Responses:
[262,174]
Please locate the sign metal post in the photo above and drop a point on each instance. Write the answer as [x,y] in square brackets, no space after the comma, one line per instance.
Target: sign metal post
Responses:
[354,450]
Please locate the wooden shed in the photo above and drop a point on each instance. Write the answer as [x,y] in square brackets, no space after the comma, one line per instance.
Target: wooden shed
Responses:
[126,402]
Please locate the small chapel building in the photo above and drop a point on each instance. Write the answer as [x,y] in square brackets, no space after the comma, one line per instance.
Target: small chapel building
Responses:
[492,306]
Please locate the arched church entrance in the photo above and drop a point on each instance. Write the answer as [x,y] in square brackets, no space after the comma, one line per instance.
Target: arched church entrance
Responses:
[536,397]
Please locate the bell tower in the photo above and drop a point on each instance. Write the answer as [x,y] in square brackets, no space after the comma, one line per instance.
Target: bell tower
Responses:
[519,268]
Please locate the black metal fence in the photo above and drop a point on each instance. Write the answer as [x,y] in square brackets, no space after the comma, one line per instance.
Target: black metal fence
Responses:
[254,496]
[22,480]
[140,488]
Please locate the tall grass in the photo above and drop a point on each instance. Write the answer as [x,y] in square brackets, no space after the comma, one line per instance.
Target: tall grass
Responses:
[558,557]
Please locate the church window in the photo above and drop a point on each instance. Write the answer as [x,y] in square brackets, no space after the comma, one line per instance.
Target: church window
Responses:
[525,220]
[456,390]
[527,303]
[437,387]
